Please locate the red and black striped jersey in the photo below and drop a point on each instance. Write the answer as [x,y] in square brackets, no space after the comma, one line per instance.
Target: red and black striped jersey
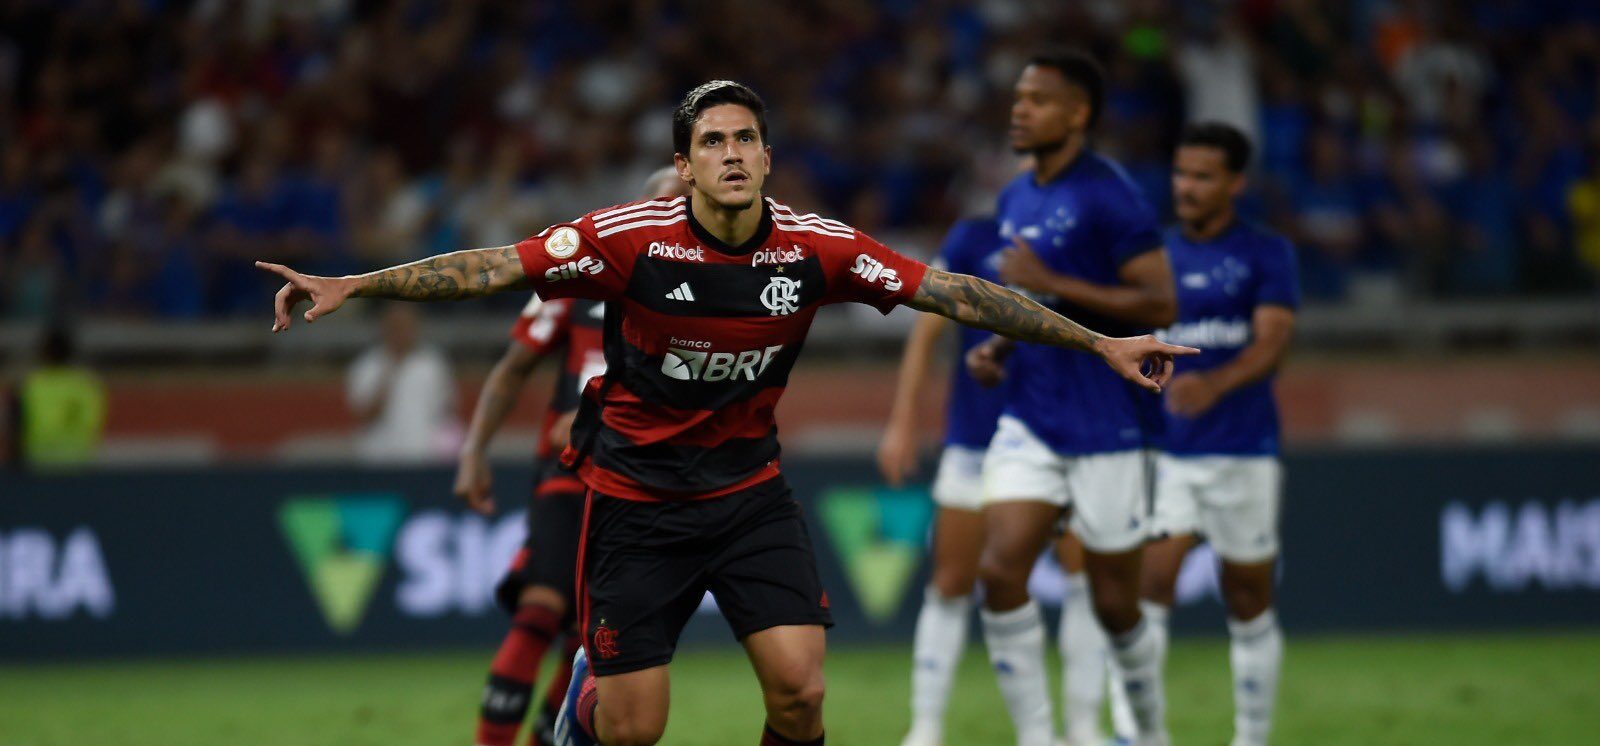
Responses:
[546,326]
[699,336]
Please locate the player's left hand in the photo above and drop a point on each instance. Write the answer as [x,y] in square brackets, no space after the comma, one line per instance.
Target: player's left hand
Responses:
[1021,268]
[1191,395]
[1144,359]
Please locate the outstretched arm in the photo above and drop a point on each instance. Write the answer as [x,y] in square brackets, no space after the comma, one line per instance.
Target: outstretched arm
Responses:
[985,305]
[453,276]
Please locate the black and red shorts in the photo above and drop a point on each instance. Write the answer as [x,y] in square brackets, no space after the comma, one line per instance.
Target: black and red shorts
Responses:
[549,554]
[648,565]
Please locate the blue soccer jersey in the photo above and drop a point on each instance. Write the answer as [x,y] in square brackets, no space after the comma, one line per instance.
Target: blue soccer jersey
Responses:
[1086,223]
[972,248]
[1220,284]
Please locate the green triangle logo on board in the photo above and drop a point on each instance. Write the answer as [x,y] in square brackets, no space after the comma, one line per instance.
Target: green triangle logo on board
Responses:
[342,545]
[880,535]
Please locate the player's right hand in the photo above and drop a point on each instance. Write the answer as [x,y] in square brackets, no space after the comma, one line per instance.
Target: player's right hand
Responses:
[986,362]
[325,293]
[897,454]
[473,482]
[1144,359]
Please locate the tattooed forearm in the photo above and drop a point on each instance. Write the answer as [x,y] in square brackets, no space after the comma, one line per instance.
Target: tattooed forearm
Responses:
[462,274]
[986,305]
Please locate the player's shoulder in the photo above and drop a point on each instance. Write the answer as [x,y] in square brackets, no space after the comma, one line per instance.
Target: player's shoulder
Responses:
[636,216]
[1110,175]
[833,241]
[820,230]
[1263,239]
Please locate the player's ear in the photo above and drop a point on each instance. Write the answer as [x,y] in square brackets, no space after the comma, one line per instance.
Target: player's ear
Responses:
[681,163]
[766,160]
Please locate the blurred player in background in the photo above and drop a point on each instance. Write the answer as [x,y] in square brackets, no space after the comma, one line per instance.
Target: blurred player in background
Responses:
[972,247]
[1218,476]
[1084,242]
[711,297]
[403,393]
[538,587]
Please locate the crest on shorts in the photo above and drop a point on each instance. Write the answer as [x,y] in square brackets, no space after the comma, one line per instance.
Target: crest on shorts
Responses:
[781,296]
[605,641]
[562,243]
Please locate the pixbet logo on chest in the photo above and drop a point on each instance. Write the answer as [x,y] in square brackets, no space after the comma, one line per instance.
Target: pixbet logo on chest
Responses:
[674,251]
[586,266]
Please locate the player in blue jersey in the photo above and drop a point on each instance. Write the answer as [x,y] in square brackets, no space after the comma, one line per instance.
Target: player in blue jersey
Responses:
[972,248]
[1083,239]
[1218,475]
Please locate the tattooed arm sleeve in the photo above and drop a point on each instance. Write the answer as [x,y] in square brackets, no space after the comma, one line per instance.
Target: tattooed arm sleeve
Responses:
[985,305]
[453,276]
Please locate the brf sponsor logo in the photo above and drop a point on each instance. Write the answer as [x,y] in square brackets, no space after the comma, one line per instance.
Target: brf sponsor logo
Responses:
[42,578]
[872,270]
[1513,546]
[701,365]
[586,266]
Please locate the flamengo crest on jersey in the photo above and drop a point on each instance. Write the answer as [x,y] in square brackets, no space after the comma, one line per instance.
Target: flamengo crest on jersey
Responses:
[782,296]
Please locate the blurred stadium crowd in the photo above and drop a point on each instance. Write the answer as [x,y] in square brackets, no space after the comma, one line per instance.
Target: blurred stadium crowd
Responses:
[153,147]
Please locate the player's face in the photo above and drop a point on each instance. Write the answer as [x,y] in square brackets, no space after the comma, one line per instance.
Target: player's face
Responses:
[1202,185]
[727,162]
[1046,110]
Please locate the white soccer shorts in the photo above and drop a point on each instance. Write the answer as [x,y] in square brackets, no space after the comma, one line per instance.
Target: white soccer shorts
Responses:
[1108,492]
[959,482]
[1232,501]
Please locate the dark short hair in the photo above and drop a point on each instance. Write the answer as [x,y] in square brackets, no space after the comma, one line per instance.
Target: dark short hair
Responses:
[707,95]
[1081,70]
[1235,147]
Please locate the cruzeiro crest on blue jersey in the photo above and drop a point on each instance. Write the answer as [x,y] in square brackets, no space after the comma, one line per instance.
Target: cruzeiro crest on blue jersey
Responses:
[1220,284]
[1086,223]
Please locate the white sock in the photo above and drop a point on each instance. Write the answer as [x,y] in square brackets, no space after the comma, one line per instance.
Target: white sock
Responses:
[1124,724]
[941,637]
[1256,653]
[1084,657]
[1138,654]
[1016,650]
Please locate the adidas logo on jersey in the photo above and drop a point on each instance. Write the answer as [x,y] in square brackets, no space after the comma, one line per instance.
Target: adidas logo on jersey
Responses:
[698,365]
[681,292]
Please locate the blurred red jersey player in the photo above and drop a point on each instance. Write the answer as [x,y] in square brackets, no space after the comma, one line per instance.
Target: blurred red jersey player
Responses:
[537,590]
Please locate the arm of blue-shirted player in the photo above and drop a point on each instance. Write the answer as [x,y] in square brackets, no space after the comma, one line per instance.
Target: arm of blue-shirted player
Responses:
[985,305]
[1271,326]
[455,276]
[897,453]
[1145,295]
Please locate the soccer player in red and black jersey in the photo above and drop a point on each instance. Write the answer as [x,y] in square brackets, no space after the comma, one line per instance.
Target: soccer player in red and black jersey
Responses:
[537,590]
[709,299]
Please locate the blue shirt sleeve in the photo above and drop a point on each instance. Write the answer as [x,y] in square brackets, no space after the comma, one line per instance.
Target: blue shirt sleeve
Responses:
[1129,225]
[965,242]
[1280,283]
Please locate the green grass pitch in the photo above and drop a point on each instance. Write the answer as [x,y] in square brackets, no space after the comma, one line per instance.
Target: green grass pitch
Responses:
[1457,690]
